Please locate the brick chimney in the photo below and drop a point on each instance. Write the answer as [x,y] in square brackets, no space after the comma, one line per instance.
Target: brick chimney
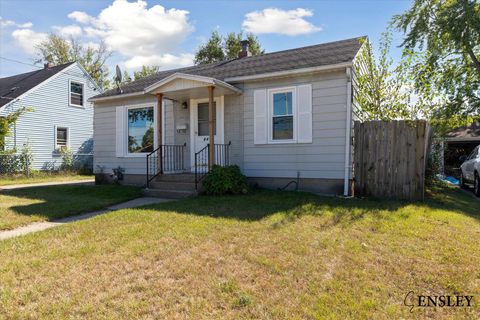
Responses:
[245,52]
[48,65]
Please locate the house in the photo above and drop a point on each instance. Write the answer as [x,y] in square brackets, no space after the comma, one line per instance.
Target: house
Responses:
[59,116]
[285,118]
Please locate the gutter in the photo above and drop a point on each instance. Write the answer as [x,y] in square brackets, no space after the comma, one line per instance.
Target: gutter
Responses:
[348,133]
[290,72]
[118,96]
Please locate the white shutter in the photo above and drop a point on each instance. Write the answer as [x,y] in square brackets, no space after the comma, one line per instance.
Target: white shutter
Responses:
[260,116]
[304,113]
[120,131]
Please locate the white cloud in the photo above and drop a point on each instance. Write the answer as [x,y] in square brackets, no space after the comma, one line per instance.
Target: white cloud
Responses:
[165,61]
[80,17]
[273,20]
[25,25]
[28,39]
[8,23]
[140,34]
[68,31]
[133,29]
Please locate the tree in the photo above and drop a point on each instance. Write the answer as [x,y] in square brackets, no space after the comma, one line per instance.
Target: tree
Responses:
[232,45]
[58,50]
[219,48]
[145,71]
[445,35]
[126,77]
[212,51]
[380,89]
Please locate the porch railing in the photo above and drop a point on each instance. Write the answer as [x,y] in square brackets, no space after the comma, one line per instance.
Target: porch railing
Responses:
[222,158]
[166,158]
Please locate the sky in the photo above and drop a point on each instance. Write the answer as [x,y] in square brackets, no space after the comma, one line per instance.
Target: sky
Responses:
[167,33]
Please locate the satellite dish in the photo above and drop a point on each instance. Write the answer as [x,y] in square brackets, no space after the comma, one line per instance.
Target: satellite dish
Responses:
[118,78]
[119,74]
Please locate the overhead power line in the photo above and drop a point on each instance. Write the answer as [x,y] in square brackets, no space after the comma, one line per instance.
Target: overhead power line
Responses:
[39,67]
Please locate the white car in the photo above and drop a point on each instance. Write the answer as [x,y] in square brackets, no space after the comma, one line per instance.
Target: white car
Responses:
[470,170]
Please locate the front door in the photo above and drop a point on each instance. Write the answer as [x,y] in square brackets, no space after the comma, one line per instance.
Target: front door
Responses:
[200,129]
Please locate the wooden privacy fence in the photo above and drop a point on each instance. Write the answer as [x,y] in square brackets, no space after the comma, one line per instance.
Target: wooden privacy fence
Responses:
[390,159]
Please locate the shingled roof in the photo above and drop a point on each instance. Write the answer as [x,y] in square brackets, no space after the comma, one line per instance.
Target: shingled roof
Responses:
[466,132]
[306,57]
[14,86]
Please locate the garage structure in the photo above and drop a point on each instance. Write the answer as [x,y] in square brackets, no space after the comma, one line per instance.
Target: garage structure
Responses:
[459,142]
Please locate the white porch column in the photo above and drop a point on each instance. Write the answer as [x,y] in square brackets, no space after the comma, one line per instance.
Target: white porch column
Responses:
[159,130]
[211,138]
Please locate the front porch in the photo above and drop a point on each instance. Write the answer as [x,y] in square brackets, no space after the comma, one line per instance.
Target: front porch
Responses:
[183,140]
[170,178]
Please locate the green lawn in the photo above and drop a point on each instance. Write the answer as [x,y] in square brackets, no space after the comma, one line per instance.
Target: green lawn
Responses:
[267,255]
[38,177]
[23,206]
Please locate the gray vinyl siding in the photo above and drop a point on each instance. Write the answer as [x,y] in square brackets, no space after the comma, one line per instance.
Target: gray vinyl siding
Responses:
[50,104]
[323,158]
[105,158]
[104,134]
[234,127]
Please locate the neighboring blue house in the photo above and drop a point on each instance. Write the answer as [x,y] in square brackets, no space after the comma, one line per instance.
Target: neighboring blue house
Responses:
[62,116]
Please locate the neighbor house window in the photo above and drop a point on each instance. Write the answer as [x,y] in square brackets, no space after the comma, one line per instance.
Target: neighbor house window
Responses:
[140,130]
[282,115]
[61,137]
[76,94]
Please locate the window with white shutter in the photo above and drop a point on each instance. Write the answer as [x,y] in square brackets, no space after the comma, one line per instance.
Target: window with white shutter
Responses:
[283,115]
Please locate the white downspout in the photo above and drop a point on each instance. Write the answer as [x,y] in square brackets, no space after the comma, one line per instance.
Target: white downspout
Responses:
[348,133]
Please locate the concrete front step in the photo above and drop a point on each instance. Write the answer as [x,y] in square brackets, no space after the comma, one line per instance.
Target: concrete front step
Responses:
[181,177]
[168,193]
[173,185]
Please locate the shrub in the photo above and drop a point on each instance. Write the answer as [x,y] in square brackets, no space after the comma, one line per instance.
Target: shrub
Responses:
[67,159]
[26,158]
[225,180]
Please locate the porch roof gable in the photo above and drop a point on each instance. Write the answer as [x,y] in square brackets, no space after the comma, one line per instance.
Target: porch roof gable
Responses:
[183,81]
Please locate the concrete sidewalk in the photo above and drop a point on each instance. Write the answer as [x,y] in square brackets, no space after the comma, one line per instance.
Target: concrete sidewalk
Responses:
[89,182]
[40,226]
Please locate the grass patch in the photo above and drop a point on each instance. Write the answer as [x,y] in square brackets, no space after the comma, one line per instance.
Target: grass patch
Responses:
[23,206]
[41,176]
[265,255]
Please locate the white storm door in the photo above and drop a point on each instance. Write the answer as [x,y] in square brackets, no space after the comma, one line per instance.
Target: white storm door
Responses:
[200,130]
